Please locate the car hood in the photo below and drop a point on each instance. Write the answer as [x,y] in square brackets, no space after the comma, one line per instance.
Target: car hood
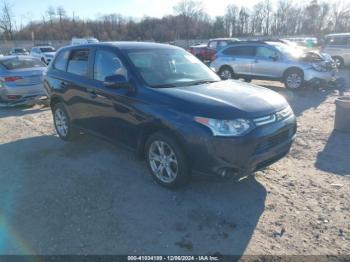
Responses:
[49,53]
[226,100]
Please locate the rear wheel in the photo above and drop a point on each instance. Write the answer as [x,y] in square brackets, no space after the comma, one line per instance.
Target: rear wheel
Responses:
[166,160]
[63,124]
[339,62]
[294,79]
[226,72]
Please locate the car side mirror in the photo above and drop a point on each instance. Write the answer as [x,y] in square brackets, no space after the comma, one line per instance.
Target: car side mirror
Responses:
[116,81]
[274,57]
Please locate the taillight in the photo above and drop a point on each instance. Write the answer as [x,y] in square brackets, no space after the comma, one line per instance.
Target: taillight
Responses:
[13,97]
[12,78]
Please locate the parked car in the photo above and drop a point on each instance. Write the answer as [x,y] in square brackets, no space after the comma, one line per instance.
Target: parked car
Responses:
[170,108]
[21,80]
[338,46]
[44,53]
[82,41]
[208,51]
[18,51]
[274,61]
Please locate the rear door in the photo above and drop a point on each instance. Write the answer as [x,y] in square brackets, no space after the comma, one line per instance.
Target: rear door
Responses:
[240,58]
[70,79]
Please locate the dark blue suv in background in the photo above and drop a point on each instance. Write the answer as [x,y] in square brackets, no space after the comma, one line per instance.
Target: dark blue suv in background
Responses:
[170,108]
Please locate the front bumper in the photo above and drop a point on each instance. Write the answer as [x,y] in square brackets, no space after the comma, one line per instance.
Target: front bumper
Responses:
[223,156]
[317,78]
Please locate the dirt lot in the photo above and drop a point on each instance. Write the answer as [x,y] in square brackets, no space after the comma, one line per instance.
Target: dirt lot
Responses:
[89,197]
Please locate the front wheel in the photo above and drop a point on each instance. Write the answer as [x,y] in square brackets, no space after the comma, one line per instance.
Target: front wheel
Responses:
[339,62]
[293,79]
[62,122]
[166,160]
[226,73]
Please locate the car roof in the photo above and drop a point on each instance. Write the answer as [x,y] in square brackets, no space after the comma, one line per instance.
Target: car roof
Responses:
[125,45]
[341,34]
[42,46]
[224,39]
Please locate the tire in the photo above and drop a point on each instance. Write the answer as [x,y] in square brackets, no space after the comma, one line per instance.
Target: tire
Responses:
[339,61]
[226,72]
[63,124]
[170,168]
[293,79]
[248,80]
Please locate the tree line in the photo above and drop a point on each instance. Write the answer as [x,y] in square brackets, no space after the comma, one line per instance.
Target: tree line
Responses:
[190,20]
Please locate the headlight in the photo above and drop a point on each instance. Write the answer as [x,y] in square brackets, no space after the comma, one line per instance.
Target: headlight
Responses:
[319,67]
[237,127]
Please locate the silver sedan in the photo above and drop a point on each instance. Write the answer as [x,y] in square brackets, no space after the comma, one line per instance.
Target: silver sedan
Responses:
[21,80]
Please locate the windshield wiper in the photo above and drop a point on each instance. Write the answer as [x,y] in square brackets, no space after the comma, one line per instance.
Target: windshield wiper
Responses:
[164,86]
[201,82]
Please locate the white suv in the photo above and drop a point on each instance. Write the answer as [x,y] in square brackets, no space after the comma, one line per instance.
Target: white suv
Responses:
[338,46]
[44,53]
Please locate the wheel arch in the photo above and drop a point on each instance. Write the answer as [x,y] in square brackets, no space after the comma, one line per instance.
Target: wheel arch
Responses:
[55,100]
[151,129]
[291,69]
[226,65]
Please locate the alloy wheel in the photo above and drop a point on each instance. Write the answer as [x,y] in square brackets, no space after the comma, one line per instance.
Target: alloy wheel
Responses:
[294,81]
[226,74]
[61,122]
[163,161]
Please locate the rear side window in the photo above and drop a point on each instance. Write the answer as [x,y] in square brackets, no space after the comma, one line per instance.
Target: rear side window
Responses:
[78,62]
[12,64]
[338,40]
[61,61]
[240,51]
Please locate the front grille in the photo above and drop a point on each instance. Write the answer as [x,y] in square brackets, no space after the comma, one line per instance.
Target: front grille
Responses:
[275,140]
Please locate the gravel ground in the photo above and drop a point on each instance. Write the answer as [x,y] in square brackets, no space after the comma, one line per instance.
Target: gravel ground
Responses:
[89,197]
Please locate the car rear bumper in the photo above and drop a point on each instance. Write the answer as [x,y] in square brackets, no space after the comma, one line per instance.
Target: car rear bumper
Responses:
[20,95]
[221,156]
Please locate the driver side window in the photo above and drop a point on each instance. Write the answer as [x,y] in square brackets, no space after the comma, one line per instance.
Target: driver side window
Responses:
[107,63]
[265,52]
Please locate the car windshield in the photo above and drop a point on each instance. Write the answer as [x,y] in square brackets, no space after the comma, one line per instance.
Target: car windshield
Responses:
[288,50]
[20,50]
[12,64]
[47,49]
[170,67]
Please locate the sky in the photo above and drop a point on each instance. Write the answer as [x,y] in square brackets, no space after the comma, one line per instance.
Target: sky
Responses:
[27,10]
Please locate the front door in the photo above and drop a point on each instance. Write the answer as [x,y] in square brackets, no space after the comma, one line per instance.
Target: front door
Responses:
[267,63]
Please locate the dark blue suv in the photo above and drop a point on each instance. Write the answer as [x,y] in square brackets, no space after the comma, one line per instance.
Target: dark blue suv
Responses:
[170,108]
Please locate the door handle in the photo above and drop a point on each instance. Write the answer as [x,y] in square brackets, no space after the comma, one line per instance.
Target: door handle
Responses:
[64,84]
